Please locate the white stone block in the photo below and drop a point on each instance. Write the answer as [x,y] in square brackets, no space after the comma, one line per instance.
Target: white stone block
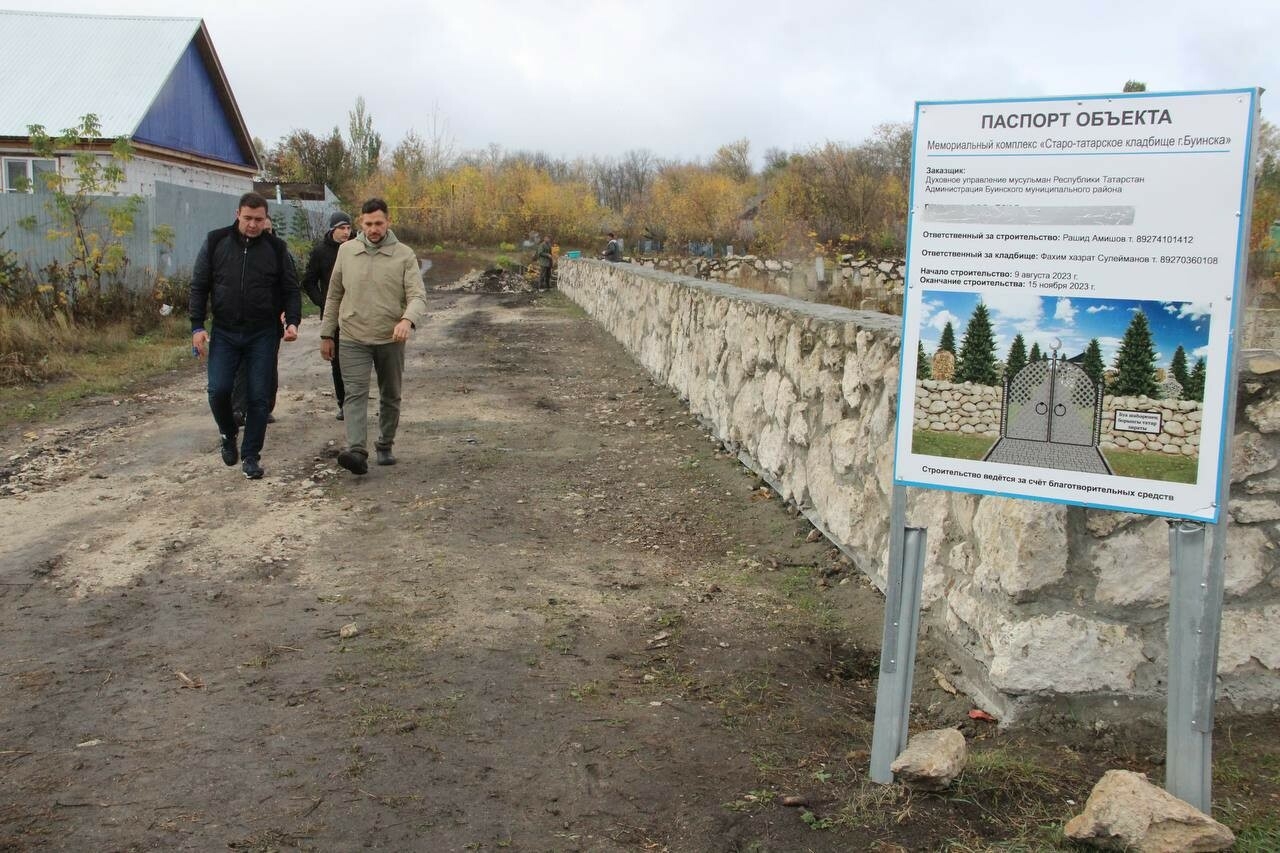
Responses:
[1133,565]
[1064,653]
[1022,545]
[1249,634]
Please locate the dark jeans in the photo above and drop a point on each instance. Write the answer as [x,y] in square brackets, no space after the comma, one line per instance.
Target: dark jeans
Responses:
[339,390]
[257,350]
[544,278]
[240,393]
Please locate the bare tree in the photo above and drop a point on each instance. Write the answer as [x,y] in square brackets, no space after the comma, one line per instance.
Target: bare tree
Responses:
[439,148]
[734,159]
[638,171]
[410,156]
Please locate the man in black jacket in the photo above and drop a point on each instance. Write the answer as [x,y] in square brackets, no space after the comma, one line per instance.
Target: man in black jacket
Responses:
[315,283]
[249,277]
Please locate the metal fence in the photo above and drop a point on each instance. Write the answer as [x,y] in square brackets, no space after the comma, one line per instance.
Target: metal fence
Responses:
[192,213]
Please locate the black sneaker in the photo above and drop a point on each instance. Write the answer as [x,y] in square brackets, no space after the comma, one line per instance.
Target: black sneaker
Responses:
[230,455]
[252,470]
[340,416]
[385,457]
[353,461]
[271,418]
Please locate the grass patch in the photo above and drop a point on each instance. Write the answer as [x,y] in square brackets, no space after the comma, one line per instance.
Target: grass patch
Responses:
[1153,466]
[48,378]
[1013,789]
[1259,834]
[953,445]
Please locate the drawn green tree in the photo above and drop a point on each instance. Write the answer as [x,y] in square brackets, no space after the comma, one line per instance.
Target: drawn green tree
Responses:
[923,370]
[977,359]
[1194,389]
[948,341]
[1093,364]
[1178,367]
[1136,360]
[1017,356]
[1035,355]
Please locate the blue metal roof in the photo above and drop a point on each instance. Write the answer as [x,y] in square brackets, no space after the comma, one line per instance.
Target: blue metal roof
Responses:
[158,77]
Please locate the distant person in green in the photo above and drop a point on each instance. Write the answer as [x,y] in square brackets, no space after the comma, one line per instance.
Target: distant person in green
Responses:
[375,301]
[613,249]
[545,260]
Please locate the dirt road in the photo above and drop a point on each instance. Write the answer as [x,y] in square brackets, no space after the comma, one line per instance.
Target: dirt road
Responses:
[580,626]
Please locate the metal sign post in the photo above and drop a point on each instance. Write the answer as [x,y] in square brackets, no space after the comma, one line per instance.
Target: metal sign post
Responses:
[1196,587]
[1195,607]
[904,579]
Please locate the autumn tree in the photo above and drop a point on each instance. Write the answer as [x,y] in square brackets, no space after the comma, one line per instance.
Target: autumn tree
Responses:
[734,160]
[696,203]
[306,158]
[86,206]
[364,142]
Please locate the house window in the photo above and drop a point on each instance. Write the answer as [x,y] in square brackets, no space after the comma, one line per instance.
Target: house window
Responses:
[26,174]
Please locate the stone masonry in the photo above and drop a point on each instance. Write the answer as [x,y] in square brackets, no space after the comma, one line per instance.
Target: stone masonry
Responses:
[869,284]
[1041,605]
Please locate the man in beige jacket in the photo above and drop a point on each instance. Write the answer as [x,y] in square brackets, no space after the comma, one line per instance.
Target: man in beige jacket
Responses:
[376,299]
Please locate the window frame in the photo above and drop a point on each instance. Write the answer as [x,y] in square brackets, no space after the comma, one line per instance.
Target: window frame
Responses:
[30,163]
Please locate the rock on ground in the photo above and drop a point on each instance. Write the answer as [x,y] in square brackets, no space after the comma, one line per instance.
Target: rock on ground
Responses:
[1126,812]
[932,760]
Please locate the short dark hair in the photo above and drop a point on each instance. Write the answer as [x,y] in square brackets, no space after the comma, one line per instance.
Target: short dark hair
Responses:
[252,201]
[373,205]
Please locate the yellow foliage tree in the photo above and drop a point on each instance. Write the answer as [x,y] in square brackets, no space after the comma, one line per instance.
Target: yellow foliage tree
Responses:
[696,203]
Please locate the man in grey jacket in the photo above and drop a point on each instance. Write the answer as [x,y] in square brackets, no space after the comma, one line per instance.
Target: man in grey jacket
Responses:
[376,300]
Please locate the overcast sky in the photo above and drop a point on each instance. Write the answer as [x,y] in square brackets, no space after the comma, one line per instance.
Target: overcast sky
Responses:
[681,77]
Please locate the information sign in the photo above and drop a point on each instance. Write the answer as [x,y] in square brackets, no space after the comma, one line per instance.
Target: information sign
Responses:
[1073,268]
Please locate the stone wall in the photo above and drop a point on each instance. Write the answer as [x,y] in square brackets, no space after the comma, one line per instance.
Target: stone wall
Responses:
[1040,605]
[868,284]
[971,409]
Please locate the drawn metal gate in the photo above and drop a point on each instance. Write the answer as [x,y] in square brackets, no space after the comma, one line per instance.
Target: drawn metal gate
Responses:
[1052,400]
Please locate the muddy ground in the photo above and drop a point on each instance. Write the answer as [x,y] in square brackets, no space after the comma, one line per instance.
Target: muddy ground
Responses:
[580,627]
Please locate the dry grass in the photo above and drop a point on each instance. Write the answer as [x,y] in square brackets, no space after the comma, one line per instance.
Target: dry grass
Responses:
[47,363]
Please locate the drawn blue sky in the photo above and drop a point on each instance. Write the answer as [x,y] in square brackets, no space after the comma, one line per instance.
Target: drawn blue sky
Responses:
[1073,320]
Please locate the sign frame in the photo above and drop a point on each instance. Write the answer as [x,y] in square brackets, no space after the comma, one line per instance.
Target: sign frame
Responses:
[1203,500]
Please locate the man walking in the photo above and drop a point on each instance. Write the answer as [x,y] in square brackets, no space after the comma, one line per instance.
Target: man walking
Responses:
[315,283]
[247,274]
[375,301]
